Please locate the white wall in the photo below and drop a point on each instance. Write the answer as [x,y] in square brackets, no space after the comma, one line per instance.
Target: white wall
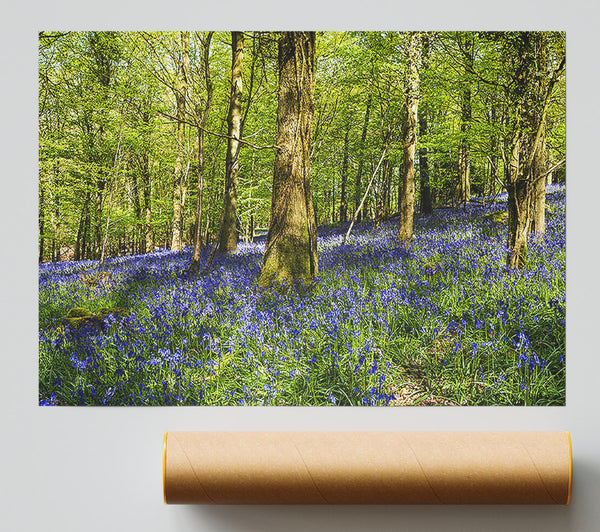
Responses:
[94,469]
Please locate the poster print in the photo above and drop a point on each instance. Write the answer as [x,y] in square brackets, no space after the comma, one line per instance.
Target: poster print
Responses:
[301,218]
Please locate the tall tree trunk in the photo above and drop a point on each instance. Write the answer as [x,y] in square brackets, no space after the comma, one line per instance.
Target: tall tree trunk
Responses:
[493,154]
[56,243]
[538,222]
[548,179]
[531,95]
[519,199]
[197,241]
[201,162]
[147,195]
[41,220]
[83,230]
[361,160]
[291,248]
[463,192]
[229,236]
[386,172]
[407,200]
[180,174]
[426,203]
[137,206]
[343,196]
[146,186]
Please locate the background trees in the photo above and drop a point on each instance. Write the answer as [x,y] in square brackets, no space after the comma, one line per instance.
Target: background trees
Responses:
[134,135]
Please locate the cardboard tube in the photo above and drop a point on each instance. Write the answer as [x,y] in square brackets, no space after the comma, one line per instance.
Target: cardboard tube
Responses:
[367,467]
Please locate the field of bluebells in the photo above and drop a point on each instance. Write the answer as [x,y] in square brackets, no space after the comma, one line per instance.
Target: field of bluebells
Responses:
[438,322]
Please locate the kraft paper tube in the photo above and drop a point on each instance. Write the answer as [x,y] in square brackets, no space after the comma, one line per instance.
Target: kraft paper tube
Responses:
[367,467]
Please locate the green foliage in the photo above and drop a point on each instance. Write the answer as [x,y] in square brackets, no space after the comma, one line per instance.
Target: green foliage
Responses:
[108,138]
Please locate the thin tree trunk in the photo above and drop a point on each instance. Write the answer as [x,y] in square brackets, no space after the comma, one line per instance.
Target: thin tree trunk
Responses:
[407,202]
[83,229]
[464,149]
[197,242]
[426,204]
[493,159]
[147,194]
[137,206]
[41,220]
[291,247]
[112,188]
[55,216]
[180,174]
[201,162]
[228,234]
[363,138]
[387,188]
[538,222]
[343,197]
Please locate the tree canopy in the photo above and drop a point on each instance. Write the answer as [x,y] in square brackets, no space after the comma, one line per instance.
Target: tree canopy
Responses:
[134,136]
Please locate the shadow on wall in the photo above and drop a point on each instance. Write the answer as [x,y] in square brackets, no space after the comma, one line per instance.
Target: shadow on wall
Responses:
[383,518]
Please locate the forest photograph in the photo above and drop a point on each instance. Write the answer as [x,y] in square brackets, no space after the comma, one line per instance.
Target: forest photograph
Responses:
[331,218]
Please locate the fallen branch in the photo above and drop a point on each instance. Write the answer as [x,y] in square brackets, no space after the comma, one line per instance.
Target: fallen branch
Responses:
[365,196]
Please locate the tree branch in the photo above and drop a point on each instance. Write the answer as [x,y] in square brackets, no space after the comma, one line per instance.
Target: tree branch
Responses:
[221,135]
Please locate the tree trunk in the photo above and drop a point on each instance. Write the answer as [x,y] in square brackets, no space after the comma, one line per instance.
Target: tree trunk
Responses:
[41,220]
[197,241]
[407,200]
[201,162]
[538,222]
[137,205]
[426,204]
[387,189]
[518,209]
[291,248]
[549,163]
[493,154]
[83,230]
[361,159]
[180,175]
[463,192]
[229,236]
[147,194]
[343,196]
[531,95]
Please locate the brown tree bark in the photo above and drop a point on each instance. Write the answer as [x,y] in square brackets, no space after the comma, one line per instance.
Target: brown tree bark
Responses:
[41,221]
[343,195]
[426,203]
[538,221]
[493,158]
[228,234]
[531,95]
[83,230]
[407,199]
[361,160]
[463,189]
[386,192]
[519,206]
[147,195]
[180,174]
[291,248]
[201,162]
